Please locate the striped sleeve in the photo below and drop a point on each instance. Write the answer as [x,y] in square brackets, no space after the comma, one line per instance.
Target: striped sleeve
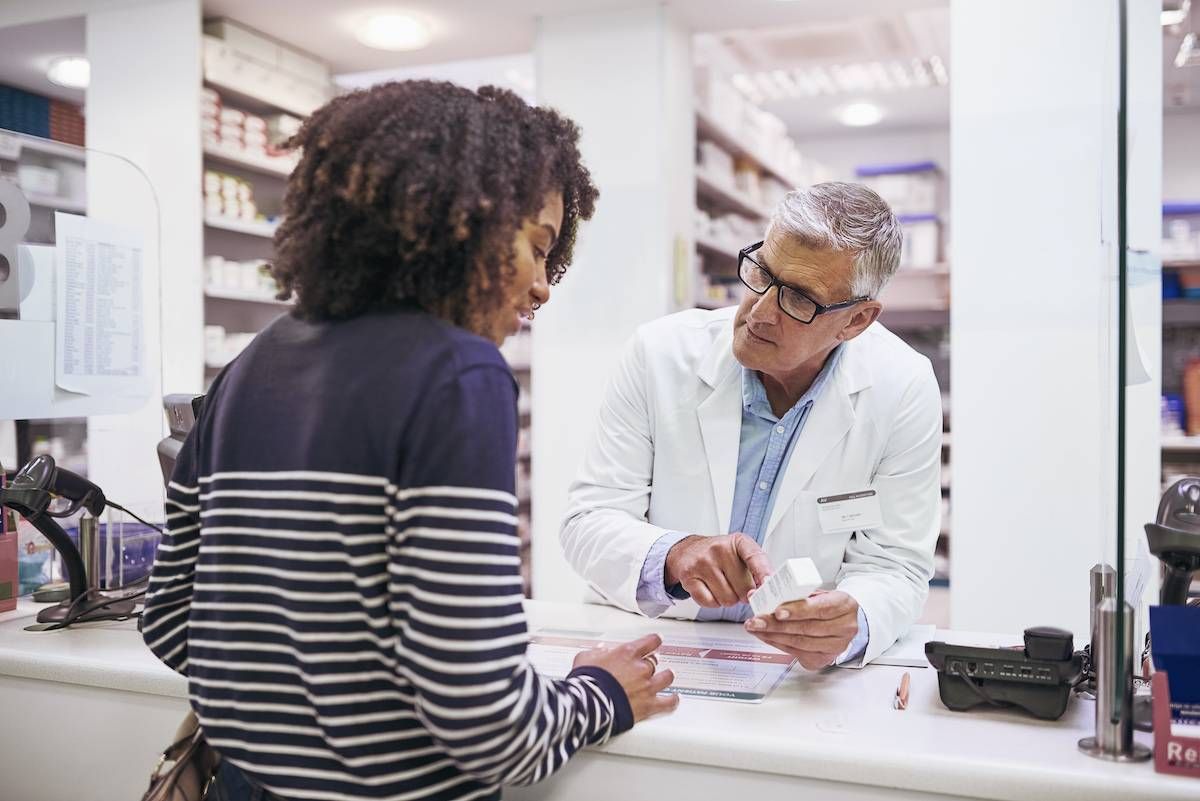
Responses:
[169,595]
[456,600]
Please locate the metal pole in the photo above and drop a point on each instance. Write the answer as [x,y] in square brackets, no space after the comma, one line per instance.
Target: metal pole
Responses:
[1114,682]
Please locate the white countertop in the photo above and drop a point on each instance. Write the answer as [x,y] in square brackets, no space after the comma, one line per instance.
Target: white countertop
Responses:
[110,655]
[837,725]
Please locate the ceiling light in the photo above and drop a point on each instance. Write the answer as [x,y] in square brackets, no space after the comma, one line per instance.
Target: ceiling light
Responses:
[1174,16]
[857,115]
[394,32]
[73,72]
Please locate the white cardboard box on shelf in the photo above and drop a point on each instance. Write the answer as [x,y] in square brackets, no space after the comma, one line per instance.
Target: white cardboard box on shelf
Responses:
[225,67]
[914,188]
[244,40]
[914,289]
[922,241]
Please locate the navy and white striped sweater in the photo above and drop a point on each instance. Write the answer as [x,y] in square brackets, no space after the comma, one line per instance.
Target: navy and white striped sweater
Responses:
[340,580]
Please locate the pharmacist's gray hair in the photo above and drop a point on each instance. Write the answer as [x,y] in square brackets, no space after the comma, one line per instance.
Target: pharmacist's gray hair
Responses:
[845,217]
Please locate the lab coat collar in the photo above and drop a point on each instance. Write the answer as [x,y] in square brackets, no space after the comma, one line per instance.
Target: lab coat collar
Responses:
[720,418]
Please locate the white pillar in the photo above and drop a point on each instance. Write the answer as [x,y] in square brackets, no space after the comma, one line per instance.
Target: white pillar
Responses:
[625,77]
[1033,321]
[143,104]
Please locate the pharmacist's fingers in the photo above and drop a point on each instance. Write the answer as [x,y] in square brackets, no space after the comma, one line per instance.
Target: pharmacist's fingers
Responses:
[846,626]
[662,680]
[809,660]
[720,589]
[816,645]
[821,606]
[700,594]
[753,557]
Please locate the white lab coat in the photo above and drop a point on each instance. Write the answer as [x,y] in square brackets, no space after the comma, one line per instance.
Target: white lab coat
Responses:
[664,458]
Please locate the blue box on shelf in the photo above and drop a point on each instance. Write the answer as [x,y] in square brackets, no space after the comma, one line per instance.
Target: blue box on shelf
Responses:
[1171,287]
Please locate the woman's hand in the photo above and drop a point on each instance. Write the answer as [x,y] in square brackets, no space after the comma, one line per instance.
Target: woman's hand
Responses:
[634,665]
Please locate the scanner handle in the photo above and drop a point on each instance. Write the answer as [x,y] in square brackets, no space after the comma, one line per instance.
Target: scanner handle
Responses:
[1176,584]
[72,561]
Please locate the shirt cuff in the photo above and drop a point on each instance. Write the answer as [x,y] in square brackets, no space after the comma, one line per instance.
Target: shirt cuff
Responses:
[622,711]
[858,646]
[653,596]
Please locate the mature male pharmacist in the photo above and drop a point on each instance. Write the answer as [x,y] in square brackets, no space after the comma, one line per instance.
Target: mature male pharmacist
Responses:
[791,425]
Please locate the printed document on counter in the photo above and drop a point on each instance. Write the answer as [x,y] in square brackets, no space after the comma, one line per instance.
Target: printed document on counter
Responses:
[722,668]
[99,322]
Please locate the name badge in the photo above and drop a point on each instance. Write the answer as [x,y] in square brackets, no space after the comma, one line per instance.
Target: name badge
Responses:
[852,511]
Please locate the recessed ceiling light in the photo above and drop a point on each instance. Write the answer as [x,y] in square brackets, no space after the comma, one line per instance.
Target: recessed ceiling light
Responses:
[394,32]
[857,115]
[73,72]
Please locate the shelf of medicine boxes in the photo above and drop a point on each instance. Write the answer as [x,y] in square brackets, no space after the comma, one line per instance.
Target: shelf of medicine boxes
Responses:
[55,203]
[13,145]
[13,142]
[240,226]
[247,297]
[708,128]
[727,197]
[1184,446]
[279,166]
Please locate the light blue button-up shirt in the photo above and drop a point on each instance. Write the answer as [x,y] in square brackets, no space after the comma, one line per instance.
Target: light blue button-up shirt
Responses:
[763,451]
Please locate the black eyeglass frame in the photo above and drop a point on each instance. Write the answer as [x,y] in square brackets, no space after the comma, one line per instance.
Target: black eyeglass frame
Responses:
[820,308]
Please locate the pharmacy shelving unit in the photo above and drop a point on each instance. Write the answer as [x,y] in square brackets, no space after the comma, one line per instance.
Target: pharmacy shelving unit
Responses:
[238,311]
[517,351]
[717,196]
[17,149]
[63,435]
[1181,331]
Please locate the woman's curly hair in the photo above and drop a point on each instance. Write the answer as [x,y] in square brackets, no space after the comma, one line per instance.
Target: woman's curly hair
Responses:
[413,191]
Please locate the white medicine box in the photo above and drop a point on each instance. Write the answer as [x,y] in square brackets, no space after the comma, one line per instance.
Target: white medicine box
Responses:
[910,189]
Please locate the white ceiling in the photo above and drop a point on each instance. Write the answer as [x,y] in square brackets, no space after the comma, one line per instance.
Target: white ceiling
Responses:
[898,35]
[473,29]
[771,34]
[26,52]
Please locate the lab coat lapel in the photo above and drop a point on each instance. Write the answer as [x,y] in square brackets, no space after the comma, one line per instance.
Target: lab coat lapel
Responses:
[829,420]
[720,417]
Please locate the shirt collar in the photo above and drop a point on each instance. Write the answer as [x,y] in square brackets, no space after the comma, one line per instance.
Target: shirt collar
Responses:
[754,394]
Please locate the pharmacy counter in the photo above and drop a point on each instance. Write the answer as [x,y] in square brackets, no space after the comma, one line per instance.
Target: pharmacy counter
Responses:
[85,712]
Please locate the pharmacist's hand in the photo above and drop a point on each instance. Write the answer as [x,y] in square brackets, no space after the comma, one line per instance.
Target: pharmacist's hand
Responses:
[634,665]
[717,571]
[815,630]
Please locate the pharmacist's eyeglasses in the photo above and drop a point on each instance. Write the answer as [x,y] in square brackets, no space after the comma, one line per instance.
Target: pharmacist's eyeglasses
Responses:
[792,301]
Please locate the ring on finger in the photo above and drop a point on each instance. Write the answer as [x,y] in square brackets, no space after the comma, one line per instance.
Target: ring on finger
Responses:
[652,661]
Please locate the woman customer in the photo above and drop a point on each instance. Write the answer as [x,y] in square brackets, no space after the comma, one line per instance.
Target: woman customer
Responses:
[340,578]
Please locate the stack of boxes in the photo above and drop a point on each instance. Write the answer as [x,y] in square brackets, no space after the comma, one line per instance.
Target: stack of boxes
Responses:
[27,113]
[243,134]
[915,192]
[228,196]
[66,123]
[760,132]
[264,69]
[221,346]
[249,277]
[24,112]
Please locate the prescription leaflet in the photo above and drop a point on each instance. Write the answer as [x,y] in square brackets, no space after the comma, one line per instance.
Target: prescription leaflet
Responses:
[705,666]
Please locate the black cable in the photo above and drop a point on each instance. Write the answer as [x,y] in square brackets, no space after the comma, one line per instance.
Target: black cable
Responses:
[121,508]
[979,691]
[73,615]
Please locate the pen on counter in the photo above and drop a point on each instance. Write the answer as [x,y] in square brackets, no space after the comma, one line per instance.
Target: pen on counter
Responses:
[900,702]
